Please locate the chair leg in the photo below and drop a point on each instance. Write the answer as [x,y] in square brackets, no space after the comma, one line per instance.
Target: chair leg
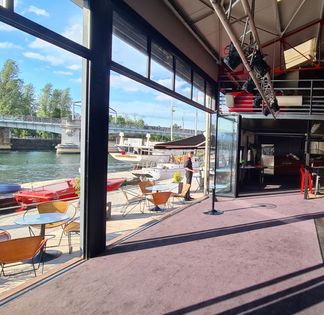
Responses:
[69,242]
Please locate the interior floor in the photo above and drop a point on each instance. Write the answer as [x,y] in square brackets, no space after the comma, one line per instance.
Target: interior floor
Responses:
[272,184]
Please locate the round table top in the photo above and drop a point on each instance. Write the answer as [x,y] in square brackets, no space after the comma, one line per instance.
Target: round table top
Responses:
[43,218]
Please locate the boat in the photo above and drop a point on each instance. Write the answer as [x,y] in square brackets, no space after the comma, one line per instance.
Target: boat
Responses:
[9,188]
[62,190]
[163,170]
[114,183]
[135,151]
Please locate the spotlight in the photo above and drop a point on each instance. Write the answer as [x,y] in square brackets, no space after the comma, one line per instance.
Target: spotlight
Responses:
[259,65]
[233,59]
[265,110]
[249,85]
[257,101]
[274,106]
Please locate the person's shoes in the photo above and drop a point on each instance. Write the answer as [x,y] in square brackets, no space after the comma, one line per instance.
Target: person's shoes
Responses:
[190,198]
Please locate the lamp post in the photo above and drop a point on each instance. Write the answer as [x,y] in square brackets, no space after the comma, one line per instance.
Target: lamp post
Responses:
[115,112]
[171,127]
[73,109]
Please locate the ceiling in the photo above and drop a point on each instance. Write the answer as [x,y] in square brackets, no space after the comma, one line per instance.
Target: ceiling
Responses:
[280,25]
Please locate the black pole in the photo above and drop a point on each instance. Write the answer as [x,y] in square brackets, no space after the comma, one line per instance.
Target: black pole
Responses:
[214,199]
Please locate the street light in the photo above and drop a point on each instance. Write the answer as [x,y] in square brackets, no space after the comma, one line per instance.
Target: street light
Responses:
[115,112]
[73,110]
[171,128]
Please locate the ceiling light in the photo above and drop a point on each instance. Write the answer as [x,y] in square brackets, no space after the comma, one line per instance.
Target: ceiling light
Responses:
[233,59]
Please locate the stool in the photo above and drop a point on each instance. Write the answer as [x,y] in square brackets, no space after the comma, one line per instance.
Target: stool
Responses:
[302,180]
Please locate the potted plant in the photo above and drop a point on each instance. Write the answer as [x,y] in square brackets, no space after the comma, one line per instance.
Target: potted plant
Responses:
[177,178]
[76,185]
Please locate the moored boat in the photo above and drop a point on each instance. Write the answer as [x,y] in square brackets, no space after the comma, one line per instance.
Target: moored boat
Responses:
[114,183]
[9,188]
[63,190]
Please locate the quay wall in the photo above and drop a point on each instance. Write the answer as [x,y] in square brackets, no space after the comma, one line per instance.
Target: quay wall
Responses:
[34,144]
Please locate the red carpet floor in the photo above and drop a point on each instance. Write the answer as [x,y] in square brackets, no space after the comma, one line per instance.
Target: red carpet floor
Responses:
[260,257]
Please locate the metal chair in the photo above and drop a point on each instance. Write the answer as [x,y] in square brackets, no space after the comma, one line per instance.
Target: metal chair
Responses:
[133,199]
[56,206]
[160,198]
[13,252]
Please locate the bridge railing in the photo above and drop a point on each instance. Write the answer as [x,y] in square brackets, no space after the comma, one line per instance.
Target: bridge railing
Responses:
[30,118]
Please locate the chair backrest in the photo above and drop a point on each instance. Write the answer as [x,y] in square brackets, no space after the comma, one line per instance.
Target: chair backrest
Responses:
[185,189]
[20,249]
[143,185]
[4,235]
[161,197]
[53,206]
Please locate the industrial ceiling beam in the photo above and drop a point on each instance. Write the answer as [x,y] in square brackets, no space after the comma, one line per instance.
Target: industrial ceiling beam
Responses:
[247,49]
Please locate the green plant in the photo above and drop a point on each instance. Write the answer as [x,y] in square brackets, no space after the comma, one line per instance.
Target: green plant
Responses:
[76,185]
[177,178]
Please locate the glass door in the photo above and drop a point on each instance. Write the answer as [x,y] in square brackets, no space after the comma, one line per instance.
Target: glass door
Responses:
[227,152]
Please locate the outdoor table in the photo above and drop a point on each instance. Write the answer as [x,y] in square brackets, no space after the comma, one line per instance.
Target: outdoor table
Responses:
[43,219]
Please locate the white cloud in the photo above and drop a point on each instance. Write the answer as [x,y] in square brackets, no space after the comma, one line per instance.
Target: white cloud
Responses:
[6,28]
[63,72]
[74,32]
[77,80]
[162,97]
[37,11]
[7,45]
[74,67]
[40,44]
[128,85]
[54,61]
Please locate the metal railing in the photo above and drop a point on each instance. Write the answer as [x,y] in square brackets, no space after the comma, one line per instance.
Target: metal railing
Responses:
[310,91]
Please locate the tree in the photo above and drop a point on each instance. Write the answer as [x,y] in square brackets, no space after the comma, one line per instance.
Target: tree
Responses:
[44,101]
[11,98]
[29,99]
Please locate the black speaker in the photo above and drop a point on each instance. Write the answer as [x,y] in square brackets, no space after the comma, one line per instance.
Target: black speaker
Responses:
[233,59]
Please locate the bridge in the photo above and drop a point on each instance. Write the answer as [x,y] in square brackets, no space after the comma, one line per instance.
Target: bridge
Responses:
[70,130]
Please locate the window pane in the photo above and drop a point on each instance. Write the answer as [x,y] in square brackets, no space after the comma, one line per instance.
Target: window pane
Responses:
[129,46]
[67,22]
[210,97]
[183,78]
[43,85]
[198,89]
[161,66]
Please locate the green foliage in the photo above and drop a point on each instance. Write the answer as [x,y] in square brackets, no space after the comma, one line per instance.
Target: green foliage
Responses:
[177,178]
[76,185]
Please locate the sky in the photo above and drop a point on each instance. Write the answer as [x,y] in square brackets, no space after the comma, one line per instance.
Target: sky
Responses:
[41,63]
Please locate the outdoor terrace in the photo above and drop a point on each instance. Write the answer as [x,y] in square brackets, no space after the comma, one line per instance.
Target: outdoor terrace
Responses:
[118,227]
[262,256]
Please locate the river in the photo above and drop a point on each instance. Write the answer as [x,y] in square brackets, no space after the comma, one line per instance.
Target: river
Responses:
[32,166]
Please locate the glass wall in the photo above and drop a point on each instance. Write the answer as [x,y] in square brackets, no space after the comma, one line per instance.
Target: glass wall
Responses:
[134,49]
[40,95]
[66,22]
[227,155]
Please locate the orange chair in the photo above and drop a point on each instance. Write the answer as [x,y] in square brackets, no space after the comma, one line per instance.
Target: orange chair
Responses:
[160,198]
[302,179]
[19,250]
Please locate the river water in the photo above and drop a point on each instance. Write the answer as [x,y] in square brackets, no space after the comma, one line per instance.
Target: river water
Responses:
[32,166]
